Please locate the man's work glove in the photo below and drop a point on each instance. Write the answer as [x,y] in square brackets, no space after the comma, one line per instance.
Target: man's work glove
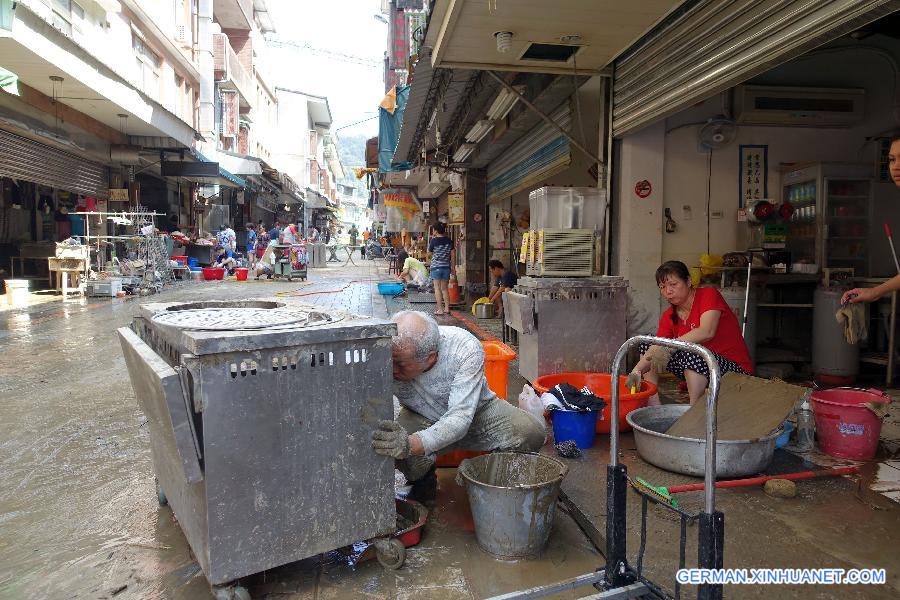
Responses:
[390,439]
[633,383]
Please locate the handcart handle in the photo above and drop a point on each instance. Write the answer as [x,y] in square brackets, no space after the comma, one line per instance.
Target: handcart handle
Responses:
[711,400]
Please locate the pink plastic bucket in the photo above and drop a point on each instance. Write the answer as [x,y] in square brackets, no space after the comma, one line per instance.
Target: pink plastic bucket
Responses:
[845,427]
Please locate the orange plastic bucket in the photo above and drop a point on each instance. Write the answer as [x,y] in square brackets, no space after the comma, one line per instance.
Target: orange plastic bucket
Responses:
[241,273]
[497,357]
[599,384]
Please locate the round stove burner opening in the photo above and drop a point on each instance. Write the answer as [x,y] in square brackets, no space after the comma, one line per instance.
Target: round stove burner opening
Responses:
[241,318]
[260,304]
[227,319]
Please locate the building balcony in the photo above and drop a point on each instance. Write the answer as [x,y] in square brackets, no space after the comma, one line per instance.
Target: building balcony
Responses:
[234,14]
[229,72]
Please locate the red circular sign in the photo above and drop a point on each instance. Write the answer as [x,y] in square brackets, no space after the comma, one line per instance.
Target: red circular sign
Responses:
[643,188]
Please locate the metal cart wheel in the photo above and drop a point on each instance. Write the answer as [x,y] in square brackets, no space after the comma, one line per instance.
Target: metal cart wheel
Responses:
[230,592]
[160,494]
[391,553]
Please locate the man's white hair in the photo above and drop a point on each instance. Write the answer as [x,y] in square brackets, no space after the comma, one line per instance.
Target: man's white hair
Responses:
[418,328]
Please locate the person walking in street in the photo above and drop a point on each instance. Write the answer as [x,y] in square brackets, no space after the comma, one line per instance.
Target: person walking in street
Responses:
[227,238]
[365,242]
[874,293]
[275,232]
[289,235]
[354,234]
[251,245]
[446,403]
[442,259]
[262,241]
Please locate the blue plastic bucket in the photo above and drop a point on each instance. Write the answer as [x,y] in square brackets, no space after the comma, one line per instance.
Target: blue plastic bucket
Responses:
[579,427]
[193,262]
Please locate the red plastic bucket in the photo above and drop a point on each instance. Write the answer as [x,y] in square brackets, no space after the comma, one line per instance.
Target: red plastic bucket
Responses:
[599,384]
[845,427]
[241,273]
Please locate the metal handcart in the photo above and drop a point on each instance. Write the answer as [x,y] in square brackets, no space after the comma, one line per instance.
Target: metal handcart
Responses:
[291,260]
[620,579]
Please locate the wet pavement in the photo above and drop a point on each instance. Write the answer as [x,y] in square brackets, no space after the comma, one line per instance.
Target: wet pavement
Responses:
[78,511]
[79,516]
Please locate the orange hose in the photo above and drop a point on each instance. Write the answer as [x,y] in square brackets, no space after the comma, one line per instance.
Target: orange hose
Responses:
[693,487]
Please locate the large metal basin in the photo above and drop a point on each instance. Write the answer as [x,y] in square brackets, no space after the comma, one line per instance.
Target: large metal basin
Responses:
[734,458]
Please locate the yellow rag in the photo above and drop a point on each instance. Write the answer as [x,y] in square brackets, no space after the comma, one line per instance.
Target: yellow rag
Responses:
[853,319]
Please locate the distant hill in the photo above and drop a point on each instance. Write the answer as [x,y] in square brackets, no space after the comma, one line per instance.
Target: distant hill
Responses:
[352,149]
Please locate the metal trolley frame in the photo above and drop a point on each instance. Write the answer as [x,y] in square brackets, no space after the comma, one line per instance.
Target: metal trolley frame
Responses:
[619,579]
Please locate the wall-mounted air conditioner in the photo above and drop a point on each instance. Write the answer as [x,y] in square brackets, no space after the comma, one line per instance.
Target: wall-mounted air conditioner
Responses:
[799,106]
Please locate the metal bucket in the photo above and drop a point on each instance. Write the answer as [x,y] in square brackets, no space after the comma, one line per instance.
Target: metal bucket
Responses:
[17,291]
[734,458]
[512,497]
[484,311]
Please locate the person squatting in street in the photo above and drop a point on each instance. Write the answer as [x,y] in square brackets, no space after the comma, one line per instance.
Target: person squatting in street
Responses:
[446,403]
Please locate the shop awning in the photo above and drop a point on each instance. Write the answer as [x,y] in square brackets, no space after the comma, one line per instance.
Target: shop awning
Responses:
[224,177]
[314,199]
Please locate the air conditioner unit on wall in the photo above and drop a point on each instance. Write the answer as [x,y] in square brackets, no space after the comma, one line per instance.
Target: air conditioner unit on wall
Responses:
[799,106]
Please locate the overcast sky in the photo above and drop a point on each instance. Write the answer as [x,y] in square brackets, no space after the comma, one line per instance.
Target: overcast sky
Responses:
[341,26]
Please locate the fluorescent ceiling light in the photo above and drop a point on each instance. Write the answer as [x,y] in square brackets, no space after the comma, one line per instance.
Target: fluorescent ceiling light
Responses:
[463,152]
[479,131]
[502,104]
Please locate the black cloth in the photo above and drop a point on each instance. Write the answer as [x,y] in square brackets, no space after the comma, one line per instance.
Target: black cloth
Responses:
[507,280]
[572,398]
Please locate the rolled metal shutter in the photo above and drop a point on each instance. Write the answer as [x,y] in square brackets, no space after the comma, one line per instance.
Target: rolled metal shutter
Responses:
[541,153]
[23,158]
[707,46]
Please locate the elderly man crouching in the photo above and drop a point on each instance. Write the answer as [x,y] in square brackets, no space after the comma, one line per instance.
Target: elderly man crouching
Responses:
[446,402]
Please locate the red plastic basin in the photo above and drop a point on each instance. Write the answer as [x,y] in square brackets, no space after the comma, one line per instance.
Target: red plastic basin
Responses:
[213,273]
[241,273]
[599,384]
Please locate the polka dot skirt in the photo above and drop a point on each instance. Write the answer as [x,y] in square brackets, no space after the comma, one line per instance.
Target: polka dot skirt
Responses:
[682,360]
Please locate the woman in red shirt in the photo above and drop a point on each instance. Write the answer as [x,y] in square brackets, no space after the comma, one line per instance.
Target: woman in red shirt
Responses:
[698,315]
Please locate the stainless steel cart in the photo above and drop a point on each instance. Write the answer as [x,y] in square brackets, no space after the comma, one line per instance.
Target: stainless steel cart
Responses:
[542,310]
[259,417]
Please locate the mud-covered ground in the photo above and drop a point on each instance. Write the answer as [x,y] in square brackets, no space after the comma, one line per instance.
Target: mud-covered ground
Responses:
[78,512]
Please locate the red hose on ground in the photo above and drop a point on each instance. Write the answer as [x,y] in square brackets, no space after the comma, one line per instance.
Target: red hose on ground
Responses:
[693,487]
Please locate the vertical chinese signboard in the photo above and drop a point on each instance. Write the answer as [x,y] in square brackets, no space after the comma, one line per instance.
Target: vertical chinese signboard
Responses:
[456,208]
[754,174]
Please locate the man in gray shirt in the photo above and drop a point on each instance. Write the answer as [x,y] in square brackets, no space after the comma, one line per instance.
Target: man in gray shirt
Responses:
[446,403]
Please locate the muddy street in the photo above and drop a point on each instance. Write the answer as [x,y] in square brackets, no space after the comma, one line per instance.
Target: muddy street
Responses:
[79,516]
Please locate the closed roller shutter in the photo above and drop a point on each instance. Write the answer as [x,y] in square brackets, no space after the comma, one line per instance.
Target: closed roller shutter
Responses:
[541,153]
[707,46]
[23,158]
